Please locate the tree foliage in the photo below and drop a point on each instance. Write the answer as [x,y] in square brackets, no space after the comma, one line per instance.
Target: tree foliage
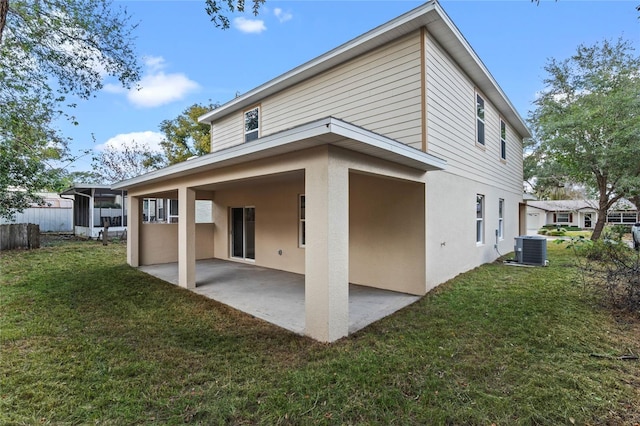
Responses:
[130,160]
[50,51]
[587,121]
[218,10]
[184,137]
[547,180]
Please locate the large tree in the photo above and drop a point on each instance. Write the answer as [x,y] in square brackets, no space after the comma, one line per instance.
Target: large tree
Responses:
[114,164]
[52,51]
[587,121]
[184,137]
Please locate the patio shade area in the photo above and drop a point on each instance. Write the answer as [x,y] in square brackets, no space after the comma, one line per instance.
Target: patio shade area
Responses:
[277,296]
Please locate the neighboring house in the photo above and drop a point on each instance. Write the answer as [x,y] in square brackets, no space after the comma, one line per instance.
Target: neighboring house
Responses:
[55,214]
[393,161]
[95,204]
[580,213]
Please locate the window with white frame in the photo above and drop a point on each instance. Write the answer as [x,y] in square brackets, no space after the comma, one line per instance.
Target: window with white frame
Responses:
[479,119]
[503,140]
[564,217]
[173,211]
[302,237]
[159,210]
[614,217]
[501,219]
[479,218]
[622,217]
[251,124]
[204,211]
[153,210]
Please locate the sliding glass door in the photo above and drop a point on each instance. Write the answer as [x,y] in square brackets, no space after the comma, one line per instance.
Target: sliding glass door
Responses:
[243,232]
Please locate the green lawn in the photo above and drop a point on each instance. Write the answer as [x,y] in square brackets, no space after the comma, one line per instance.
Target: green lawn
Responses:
[84,339]
[578,234]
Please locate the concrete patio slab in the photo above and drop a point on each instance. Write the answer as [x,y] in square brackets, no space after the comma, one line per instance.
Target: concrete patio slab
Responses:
[278,296]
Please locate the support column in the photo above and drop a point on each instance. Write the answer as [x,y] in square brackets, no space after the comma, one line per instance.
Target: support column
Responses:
[327,248]
[186,237]
[91,212]
[133,231]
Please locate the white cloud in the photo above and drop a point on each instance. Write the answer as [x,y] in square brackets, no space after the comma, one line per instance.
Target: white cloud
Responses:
[148,138]
[154,63]
[282,15]
[160,89]
[114,88]
[156,88]
[252,26]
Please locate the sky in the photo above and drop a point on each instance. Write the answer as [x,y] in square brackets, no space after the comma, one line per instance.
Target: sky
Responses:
[186,59]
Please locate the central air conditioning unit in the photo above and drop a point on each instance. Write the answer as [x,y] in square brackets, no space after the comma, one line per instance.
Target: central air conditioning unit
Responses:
[531,250]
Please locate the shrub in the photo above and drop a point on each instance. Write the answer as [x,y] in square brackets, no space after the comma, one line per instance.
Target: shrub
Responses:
[542,231]
[610,266]
[616,231]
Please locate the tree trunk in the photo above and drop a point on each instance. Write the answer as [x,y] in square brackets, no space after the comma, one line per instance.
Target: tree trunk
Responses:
[4,10]
[604,204]
[602,219]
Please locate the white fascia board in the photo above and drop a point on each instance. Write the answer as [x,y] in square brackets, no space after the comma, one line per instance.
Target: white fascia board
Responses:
[389,149]
[320,132]
[228,156]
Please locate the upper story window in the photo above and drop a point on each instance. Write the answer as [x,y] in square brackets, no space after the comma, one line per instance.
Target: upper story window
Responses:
[479,119]
[251,124]
[503,140]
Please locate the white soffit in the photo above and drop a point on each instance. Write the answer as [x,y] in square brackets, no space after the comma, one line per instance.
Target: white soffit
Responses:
[321,132]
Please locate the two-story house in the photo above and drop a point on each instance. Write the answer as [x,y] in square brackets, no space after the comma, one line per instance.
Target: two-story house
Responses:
[392,161]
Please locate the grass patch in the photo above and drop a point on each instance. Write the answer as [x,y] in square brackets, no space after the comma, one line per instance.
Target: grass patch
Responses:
[578,234]
[84,338]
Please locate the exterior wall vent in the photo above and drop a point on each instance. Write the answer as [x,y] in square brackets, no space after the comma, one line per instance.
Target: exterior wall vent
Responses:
[531,250]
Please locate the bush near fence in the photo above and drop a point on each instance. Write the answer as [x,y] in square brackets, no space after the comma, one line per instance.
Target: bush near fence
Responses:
[19,236]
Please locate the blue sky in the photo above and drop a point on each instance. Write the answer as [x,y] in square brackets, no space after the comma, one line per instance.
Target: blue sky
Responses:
[186,59]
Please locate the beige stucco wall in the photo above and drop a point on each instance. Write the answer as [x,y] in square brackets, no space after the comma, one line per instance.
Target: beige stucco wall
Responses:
[159,242]
[276,208]
[386,233]
[451,225]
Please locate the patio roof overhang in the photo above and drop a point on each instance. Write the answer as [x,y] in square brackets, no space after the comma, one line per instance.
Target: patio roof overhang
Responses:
[73,190]
[327,131]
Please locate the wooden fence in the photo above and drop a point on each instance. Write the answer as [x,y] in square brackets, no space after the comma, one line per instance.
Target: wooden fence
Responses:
[19,236]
